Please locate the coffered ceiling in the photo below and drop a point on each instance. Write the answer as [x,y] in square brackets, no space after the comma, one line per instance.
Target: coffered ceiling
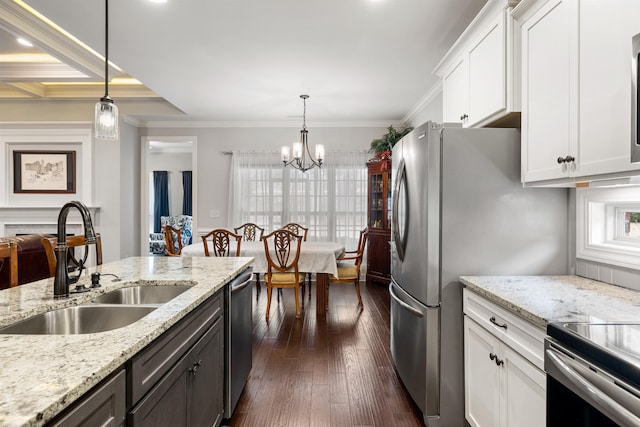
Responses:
[235,61]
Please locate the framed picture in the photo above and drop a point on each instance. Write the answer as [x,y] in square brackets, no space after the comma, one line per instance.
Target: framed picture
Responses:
[44,171]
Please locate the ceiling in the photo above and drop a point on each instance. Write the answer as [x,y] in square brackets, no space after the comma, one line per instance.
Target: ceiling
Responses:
[237,61]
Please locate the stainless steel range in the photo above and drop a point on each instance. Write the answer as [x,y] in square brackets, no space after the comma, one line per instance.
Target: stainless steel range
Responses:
[593,374]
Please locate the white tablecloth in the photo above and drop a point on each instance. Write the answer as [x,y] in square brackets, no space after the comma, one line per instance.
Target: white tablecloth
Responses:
[315,257]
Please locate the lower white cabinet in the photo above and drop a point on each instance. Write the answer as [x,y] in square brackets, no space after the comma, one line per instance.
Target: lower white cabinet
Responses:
[502,387]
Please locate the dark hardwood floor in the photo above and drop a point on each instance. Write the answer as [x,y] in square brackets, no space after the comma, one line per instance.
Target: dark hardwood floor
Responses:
[324,371]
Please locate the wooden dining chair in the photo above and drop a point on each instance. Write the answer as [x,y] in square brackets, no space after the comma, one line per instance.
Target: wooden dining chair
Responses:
[300,231]
[282,251]
[349,271]
[222,243]
[172,237]
[50,243]
[250,232]
[9,259]
[297,229]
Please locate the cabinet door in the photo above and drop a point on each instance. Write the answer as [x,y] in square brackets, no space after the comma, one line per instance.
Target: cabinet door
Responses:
[190,394]
[206,375]
[455,94]
[549,90]
[523,392]
[481,382]
[606,29]
[166,404]
[487,72]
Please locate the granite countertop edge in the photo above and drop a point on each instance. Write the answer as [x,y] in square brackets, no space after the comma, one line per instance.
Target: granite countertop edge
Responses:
[38,385]
[546,299]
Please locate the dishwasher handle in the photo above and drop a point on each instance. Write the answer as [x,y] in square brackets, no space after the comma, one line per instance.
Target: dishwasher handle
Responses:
[591,392]
[241,281]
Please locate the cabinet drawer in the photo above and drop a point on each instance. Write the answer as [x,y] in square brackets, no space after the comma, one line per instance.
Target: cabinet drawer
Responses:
[148,366]
[103,406]
[518,333]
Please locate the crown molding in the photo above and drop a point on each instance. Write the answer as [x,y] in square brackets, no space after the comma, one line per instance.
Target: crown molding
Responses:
[38,72]
[264,124]
[17,18]
[428,97]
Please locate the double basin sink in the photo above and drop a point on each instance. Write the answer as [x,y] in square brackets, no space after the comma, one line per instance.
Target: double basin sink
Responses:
[115,309]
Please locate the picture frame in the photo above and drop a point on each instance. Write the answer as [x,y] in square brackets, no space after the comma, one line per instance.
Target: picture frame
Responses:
[44,171]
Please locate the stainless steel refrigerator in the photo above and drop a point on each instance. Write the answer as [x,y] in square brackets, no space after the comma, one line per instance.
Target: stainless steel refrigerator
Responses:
[459,208]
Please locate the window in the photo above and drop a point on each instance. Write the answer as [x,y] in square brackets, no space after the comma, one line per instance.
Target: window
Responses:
[608,225]
[330,201]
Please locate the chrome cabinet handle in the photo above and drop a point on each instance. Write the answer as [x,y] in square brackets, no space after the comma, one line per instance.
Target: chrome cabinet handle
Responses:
[493,320]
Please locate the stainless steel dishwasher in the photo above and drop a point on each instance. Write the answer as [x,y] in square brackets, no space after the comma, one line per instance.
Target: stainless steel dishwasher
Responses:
[238,338]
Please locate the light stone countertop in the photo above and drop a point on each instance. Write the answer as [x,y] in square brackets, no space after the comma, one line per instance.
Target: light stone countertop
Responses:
[546,299]
[41,374]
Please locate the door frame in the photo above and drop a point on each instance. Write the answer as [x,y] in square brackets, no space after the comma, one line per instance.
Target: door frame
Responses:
[144,184]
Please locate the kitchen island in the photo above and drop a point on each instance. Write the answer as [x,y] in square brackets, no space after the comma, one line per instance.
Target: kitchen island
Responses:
[41,375]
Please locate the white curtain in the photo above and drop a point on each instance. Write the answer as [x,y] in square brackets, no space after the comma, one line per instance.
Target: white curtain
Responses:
[330,201]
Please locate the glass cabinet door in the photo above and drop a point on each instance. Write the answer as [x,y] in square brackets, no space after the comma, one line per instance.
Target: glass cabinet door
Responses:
[376,209]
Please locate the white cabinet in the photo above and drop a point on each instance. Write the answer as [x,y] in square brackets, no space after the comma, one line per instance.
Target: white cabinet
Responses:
[479,83]
[455,83]
[576,90]
[504,384]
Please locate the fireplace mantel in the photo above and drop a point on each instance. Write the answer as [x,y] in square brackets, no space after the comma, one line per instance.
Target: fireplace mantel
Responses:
[40,219]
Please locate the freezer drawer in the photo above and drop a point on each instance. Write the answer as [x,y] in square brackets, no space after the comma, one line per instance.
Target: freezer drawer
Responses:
[415,345]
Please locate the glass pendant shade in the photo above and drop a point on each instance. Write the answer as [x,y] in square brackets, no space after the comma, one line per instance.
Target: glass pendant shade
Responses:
[106,120]
[106,116]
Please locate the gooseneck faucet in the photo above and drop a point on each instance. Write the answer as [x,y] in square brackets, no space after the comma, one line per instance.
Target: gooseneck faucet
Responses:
[61,279]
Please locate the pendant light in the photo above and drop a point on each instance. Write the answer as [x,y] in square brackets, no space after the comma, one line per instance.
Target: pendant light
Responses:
[302,159]
[106,117]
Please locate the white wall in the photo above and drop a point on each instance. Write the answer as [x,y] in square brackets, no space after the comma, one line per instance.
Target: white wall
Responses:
[213,166]
[129,190]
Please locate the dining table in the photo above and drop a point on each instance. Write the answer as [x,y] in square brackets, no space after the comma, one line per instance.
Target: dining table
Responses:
[317,257]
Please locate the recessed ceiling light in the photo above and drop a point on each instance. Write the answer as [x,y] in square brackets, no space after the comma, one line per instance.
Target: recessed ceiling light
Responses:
[158,1]
[24,42]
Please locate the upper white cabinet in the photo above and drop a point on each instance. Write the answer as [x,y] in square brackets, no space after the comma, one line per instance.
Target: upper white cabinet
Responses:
[576,88]
[480,73]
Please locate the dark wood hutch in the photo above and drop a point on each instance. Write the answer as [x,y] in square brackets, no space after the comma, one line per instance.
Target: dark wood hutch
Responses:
[379,221]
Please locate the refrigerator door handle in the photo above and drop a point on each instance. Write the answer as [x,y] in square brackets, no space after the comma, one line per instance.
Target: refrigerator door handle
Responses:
[406,306]
[399,184]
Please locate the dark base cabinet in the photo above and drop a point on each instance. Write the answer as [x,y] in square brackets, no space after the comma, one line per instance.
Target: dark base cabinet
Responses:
[178,380]
[103,406]
[378,257]
[187,395]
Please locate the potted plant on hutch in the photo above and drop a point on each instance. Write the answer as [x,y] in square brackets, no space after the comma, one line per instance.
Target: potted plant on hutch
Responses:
[379,205]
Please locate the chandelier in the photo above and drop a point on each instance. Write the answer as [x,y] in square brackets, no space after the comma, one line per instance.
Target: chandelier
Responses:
[106,112]
[302,159]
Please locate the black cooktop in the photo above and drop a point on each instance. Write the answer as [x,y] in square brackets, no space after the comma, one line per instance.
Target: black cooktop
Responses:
[613,347]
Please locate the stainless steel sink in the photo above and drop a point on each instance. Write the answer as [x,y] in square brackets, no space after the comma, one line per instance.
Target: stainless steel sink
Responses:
[83,319]
[141,295]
